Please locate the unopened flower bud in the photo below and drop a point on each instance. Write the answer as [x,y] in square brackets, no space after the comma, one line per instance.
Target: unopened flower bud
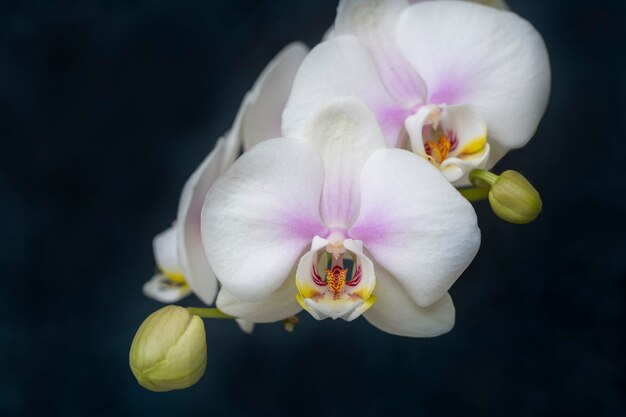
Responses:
[169,350]
[514,199]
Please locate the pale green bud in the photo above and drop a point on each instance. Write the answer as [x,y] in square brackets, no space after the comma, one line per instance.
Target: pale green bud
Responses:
[514,199]
[169,350]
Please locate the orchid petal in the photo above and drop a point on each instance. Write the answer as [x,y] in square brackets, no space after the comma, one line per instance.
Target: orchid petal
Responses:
[245,325]
[415,224]
[268,97]
[329,34]
[165,246]
[277,306]
[340,67]
[233,138]
[456,170]
[193,261]
[498,4]
[345,134]
[468,126]
[471,54]
[164,290]
[396,313]
[261,214]
[374,23]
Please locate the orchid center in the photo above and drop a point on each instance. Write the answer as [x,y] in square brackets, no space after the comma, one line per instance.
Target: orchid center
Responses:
[453,138]
[335,279]
[438,144]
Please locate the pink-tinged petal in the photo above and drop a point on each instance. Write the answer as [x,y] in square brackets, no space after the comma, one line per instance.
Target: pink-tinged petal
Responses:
[374,23]
[415,224]
[340,67]
[268,97]
[345,133]
[277,306]
[396,313]
[261,214]
[491,59]
[193,261]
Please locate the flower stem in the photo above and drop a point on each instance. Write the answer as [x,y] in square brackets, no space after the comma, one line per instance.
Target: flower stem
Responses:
[208,313]
[483,178]
[474,194]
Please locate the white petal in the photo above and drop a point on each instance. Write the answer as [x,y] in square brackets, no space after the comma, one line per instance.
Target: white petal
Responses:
[456,170]
[234,137]
[193,261]
[491,59]
[374,23]
[340,67]
[394,312]
[277,306]
[415,224]
[268,97]
[261,214]
[345,134]
[245,325]
[468,126]
[414,125]
[165,248]
[162,289]
[498,4]
[330,33]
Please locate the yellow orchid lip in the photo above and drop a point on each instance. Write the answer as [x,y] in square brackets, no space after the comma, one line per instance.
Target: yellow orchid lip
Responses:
[174,276]
[474,145]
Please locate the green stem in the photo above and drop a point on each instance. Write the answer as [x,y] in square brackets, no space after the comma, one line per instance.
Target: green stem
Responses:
[474,194]
[483,178]
[208,313]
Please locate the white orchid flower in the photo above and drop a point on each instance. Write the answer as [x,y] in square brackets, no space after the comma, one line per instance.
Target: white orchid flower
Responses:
[463,82]
[178,251]
[366,229]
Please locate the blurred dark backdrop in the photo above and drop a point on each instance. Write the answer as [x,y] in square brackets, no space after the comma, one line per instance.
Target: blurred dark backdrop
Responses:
[106,106]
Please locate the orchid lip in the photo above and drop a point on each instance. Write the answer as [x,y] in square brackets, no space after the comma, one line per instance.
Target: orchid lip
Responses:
[335,281]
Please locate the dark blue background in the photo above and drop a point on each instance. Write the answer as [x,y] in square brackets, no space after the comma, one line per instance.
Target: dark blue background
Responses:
[107,106]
